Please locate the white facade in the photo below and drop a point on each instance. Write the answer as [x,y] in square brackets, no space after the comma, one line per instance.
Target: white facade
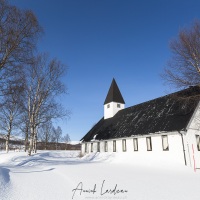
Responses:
[192,140]
[174,152]
[110,109]
[182,147]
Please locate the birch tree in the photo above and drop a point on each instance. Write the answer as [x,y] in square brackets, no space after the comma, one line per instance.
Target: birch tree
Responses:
[66,139]
[19,32]
[183,69]
[42,86]
[10,114]
[57,132]
[46,133]
[24,127]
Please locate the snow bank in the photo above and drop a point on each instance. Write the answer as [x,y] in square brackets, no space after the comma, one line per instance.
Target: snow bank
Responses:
[4,182]
[50,175]
[4,176]
[60,154]
[128,159]
[99,157]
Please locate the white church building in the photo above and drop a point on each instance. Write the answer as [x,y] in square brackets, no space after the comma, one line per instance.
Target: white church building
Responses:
[163,128]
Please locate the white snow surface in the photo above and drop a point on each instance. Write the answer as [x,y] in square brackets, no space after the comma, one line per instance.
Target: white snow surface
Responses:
[53,175]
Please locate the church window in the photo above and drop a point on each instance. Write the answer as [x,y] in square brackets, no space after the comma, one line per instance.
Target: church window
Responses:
[114,145]
[135,144]
[149,145]
[108,106]
[198,142]
[165,143]
[123,145]
[85,147]
[106,146]
[91,147]
[118,105]
[98,146]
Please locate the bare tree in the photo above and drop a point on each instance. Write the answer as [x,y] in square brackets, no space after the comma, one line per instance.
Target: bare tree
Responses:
[46,133]
[183,69]
[40,77]
[42,87]
[19,31]
[66,139]
[57,135]
[10,114]
[24,127]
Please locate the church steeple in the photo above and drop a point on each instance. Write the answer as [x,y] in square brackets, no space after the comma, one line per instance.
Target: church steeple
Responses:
[114,101]
[114,94]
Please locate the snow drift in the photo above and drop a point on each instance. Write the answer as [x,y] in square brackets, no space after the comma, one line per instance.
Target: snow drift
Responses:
[51,175]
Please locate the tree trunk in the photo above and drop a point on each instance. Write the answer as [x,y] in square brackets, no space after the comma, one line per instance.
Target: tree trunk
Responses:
[7,145]
[26,139]
[56,145]
[7,141]
[46,140]
[33,146]
[30,146]
[35,143]
[26,143]
[31,142]
[45,145]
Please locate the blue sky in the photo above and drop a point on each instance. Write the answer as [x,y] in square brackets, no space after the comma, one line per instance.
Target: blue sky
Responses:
[102,39]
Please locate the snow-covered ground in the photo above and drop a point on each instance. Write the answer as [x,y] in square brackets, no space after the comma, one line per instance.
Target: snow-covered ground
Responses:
[63,175]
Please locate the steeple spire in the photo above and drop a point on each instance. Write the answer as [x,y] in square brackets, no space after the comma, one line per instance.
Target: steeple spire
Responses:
[114,94]
[114,101]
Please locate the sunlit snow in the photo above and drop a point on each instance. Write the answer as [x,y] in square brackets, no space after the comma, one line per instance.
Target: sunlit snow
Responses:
[55,175]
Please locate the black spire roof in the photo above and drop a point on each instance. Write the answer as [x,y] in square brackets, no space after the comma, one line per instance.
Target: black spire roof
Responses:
[114,94]
[162,114]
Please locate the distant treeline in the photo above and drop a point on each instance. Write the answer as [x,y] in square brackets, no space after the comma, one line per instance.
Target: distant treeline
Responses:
[14,144]
[58,146]
[19,144]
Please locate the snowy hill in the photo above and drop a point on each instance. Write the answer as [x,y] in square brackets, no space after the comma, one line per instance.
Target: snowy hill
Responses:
[63,175]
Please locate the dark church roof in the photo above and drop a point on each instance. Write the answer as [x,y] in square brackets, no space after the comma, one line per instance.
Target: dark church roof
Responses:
[114,94]
[162,114]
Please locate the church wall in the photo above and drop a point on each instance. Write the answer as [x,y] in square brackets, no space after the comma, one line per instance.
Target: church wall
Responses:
[192,150]
[110,146]
[192,139]
[174,154]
